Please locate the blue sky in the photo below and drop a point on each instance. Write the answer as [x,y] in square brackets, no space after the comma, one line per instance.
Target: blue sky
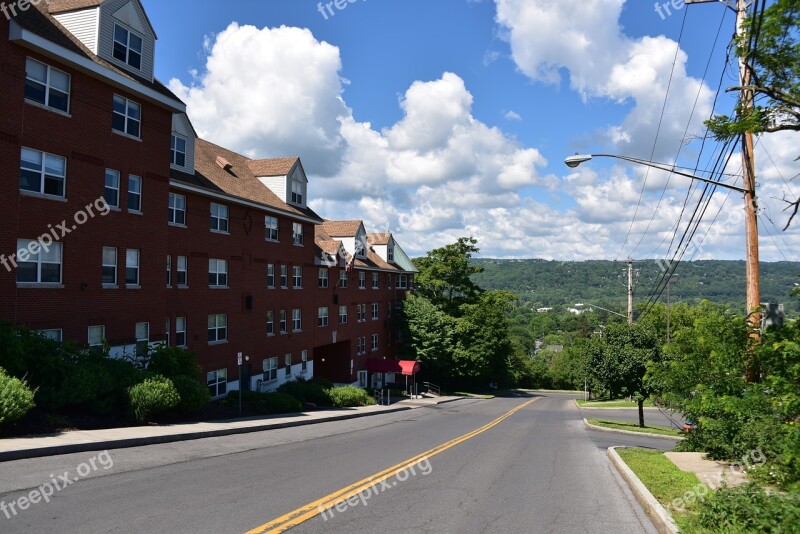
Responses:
[448,118]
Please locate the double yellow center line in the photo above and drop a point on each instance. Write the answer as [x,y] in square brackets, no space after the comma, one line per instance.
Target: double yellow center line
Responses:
[312,509]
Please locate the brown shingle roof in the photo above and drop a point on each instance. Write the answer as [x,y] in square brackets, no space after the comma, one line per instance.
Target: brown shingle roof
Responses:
[273,167]
[379,238]
[40,22]
[62,6]
[341,228]
[239,181]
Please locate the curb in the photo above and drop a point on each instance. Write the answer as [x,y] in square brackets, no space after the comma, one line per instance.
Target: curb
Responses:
[610,407]
[590,426]
[125,443]
[659,515]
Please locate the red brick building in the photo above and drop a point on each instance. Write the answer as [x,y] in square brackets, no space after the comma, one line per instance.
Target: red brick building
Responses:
[121,227]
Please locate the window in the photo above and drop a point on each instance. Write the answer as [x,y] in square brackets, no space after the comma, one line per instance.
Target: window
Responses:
[111,193]
[180,331]
[390,253]
[297,322]
[183,271]
[134,193]
[97,335]
[270,367]
[217,328]
[297,192]
[362,312]
[43,267]
[297,277]
[54,334]
[343,278]
[178,151]
[127,117]
[322,317]
[109,266]
[169,271]
[284,276]
[304,361]
[402,281]
[362,280]
[177,209]
[127,47]
[287,360]
[271,275]
[389,280]
[342,314]
[43,173]
[270,323]
[283,321]
[217,273]
[271,225]
[142,338]
[132,267]
[167,329]
[376,280]
[323,278]
[374,311]
[297,233]
[218,382]
[219,218]
[374,342]
[46,85]
[361,345]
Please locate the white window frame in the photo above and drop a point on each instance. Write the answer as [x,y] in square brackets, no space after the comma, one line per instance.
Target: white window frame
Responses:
[175,150]
[130,254]
[304,361]
[362,280]
[270,323]
[270,368]
[375,311]
[169,271]
[322,316]
[343,314]
[55,256]
[220,222]
[129,50]
[271,276]
[287,361]
[47,84]
[283,322]
[175,209]
[112,188]
[96,341]
[107,265]
[298,193]
[180,330]
[297,277]
[374,342]
[128,117]
[272,228]
[297,234]
[376,280]
[217,273]
[133,194]
[343,279]
[297,320]
[284,276]
[323,277]
[218,324]
[43,175]
[55,334]
[217,382]
[182,267]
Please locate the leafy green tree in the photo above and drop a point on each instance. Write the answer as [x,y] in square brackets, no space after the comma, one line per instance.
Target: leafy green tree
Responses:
[429,335]
[445,275]
[771,48]
[483,345]
[619,360]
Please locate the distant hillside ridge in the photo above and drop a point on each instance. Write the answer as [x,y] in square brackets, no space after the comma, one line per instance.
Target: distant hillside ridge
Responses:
[550,283]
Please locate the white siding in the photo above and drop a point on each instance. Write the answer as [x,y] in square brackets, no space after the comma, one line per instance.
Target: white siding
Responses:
[276,184]
[380,250]
[181,126]
[132,17]
[83,25]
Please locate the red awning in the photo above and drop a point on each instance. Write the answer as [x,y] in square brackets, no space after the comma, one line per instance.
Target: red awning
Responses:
[406,367]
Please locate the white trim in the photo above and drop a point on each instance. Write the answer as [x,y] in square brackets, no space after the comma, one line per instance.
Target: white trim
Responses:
[18,34]
[241,202]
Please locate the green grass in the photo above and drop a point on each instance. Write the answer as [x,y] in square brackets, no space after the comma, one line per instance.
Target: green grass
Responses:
[466,394]
[634,427]
[665,481]
[611,404]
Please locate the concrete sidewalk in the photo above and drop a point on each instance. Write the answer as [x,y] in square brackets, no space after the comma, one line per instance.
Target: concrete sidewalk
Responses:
[118,438]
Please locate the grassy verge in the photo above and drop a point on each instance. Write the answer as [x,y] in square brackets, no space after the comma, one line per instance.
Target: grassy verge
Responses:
[665,481]
[634,427]
[611,404]
[466,394]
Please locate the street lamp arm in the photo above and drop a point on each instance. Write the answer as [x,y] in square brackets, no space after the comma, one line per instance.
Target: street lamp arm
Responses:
[574,161]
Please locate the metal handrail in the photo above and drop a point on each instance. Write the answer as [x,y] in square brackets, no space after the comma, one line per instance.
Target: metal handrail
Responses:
[433,388]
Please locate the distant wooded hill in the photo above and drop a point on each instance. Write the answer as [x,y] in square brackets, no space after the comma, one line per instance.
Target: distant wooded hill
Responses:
[543,283]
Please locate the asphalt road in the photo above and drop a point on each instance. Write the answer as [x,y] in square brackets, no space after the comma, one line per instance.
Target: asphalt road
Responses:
[537,470]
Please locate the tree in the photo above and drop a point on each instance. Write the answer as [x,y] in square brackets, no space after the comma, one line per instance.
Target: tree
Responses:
[618,361]
[771,48]
[429,335]
[445,275]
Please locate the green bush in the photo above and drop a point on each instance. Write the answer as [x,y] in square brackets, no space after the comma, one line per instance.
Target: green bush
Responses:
[152,397]
[349,396]
[750,509]
[307,392]
[16,399]
[194,395]
[323,382]
[172,362]
[266,403]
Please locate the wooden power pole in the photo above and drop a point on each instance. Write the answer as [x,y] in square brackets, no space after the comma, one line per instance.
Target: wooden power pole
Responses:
[630,291]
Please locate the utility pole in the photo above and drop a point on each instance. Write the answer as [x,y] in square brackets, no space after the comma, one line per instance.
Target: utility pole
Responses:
[672,279]
[630,291]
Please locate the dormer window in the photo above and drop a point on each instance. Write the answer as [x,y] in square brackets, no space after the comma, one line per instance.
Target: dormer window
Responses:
[297,192]
[178,151]
[127,47]
[390,253]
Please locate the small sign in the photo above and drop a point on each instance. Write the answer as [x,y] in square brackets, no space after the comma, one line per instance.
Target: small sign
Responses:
[240,358]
